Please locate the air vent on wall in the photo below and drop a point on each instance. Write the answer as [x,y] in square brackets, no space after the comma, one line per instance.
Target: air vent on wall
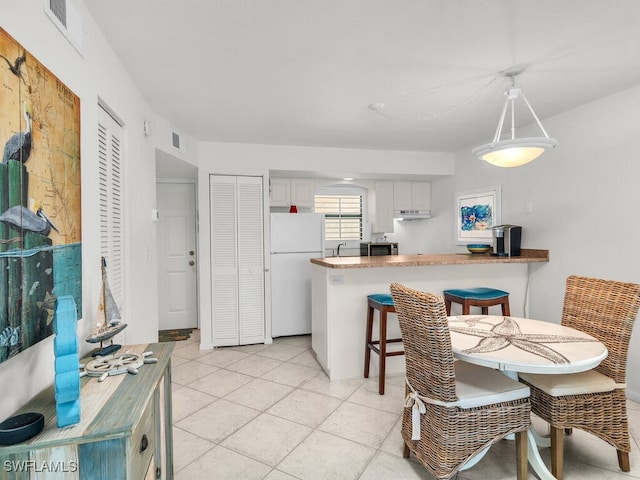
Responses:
[66,18]
[59,9]
[176,141]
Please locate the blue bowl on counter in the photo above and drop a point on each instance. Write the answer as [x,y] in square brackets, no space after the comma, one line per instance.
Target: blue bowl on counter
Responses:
[478,247]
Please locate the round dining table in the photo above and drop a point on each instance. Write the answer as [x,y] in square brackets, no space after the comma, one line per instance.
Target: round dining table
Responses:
[523,345]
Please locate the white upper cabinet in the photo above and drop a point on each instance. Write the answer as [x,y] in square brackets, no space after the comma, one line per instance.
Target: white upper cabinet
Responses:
[280,193]
[302,192]
[411,195]
[292,191]
[383,204]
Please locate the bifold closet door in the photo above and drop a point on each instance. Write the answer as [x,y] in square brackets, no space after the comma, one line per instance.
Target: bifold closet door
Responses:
[237,260]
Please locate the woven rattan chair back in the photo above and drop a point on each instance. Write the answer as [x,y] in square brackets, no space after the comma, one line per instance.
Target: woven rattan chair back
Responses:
[427,342]
[606,310]
[450,435]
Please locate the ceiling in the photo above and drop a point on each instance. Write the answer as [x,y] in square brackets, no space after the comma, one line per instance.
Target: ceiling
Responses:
[306,72]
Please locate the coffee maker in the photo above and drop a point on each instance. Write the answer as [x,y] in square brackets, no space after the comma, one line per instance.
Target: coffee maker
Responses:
[506,240]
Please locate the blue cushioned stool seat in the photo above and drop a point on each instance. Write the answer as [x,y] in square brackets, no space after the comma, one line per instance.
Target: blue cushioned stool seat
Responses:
[482,297]
[383,302]
[382,298]
[481,293]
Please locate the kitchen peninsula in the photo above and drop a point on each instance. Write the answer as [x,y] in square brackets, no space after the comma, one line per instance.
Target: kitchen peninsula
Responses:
[340,286]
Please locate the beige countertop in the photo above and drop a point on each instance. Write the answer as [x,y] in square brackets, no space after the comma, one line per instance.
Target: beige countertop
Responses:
[527,256]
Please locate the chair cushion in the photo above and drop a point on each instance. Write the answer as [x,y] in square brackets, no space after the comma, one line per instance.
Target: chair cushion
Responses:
[477,386]
[382,298]
[480,293]
[571,383]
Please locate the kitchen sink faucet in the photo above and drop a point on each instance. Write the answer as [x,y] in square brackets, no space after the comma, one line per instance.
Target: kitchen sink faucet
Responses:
[343,244]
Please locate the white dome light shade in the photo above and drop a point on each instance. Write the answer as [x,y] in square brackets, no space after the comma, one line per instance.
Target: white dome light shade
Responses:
[514,153]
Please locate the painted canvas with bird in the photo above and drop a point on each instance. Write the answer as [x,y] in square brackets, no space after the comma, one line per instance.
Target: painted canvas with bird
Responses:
[40,202]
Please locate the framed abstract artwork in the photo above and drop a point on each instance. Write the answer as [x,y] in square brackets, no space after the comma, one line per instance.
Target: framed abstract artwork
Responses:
[477,211]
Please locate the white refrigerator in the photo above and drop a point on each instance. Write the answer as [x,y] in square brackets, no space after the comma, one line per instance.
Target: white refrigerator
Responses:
[295,238]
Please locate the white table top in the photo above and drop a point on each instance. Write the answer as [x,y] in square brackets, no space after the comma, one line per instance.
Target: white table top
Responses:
[523,344]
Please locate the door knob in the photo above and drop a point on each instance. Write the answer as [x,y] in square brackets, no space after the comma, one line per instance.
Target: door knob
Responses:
[191,252]
[192,263]
[144,443]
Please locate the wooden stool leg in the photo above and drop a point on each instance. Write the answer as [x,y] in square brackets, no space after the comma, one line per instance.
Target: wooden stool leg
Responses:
[367,349]
[447,306]
[505,308]
[466,307]
[485,310]
[383,349]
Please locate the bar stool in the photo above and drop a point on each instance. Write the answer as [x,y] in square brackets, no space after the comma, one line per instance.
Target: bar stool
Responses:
[383,302]
[477,297]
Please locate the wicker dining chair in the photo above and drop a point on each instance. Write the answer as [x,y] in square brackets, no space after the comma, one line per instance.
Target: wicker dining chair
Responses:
[453,410]
[594,401]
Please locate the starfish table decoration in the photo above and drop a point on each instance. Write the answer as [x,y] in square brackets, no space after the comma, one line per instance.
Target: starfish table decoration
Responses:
[507,332]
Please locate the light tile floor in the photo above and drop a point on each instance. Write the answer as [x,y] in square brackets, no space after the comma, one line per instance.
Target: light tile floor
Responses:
[270,412]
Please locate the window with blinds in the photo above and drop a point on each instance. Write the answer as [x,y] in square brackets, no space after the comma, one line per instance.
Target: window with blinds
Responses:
[343,216]
[110,195]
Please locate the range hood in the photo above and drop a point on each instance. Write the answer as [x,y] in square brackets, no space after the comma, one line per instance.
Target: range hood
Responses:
[411,214]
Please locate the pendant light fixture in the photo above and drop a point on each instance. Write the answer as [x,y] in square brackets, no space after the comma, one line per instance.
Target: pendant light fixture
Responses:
[514,152]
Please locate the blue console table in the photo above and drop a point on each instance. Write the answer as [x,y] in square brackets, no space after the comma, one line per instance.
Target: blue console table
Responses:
[125,429]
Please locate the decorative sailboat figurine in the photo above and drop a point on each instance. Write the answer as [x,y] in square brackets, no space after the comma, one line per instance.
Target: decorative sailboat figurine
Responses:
[108,321]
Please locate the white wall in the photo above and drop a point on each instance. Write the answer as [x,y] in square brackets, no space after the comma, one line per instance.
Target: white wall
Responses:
[98,74]
[414,236]
[584,204]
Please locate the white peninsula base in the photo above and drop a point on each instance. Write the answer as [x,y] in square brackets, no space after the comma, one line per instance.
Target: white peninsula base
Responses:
[339,304]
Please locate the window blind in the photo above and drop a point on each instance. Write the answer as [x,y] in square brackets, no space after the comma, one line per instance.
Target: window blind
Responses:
[343,216]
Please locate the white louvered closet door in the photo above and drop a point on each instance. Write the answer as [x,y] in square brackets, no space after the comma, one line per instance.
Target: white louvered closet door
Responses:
[110,134]
[251,260]
[237,260]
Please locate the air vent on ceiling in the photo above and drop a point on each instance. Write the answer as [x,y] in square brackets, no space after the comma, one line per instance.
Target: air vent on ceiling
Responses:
[66,18]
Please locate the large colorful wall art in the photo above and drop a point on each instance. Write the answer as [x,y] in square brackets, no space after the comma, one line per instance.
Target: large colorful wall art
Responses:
[40,221]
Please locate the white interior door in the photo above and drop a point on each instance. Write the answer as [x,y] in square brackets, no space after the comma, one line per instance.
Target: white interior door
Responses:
[237,260]
[250,260]
[224,259]
[177,265]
